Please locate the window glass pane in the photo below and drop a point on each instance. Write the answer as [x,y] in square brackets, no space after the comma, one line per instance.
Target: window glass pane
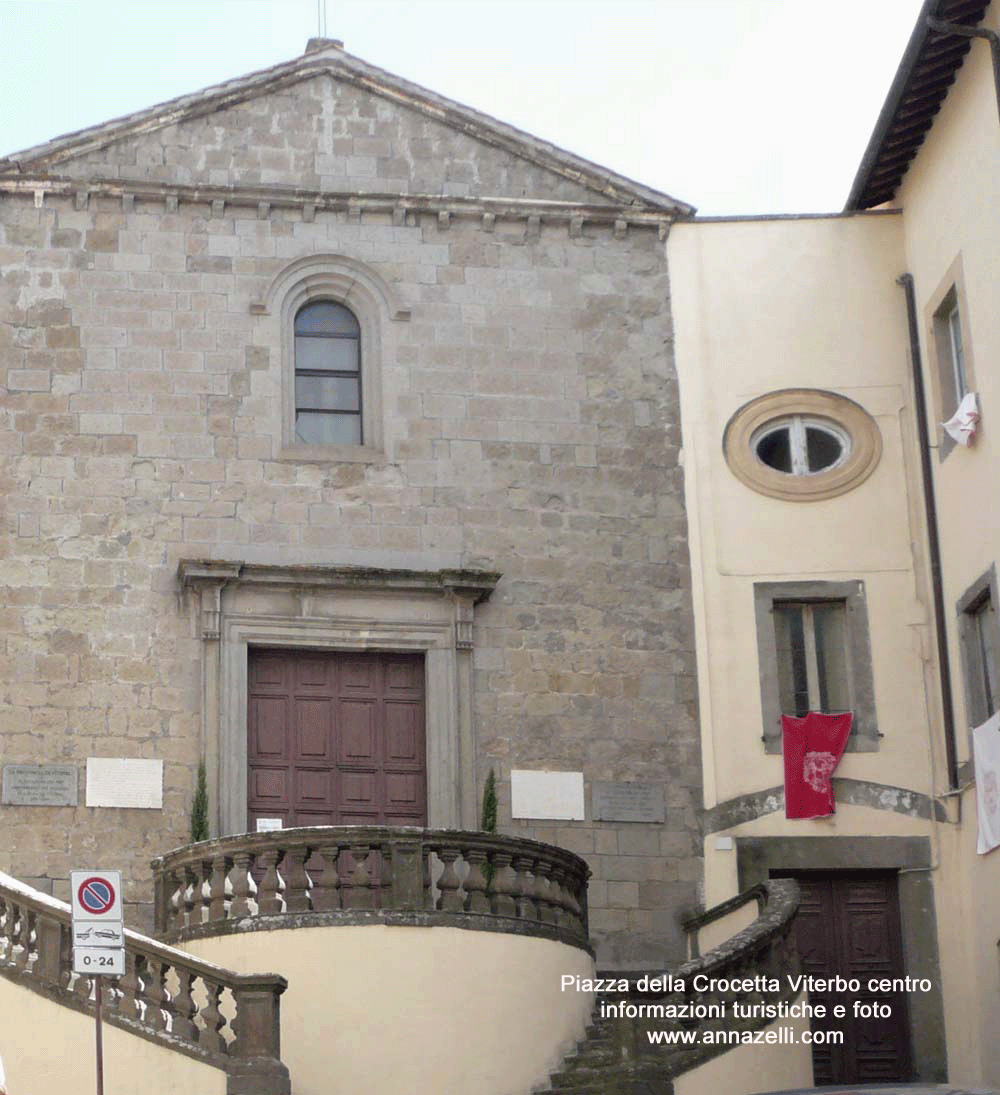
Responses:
[775,450]
[983,622]
[822,449]
[328,429]
[327,354]
[327,393]
[829,623]
[957,353]
[326,317]
[793,684]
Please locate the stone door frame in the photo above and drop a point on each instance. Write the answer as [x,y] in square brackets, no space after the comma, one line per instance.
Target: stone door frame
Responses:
[338,609]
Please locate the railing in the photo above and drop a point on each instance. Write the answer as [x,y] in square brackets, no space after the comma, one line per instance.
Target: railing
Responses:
[360,874]
[618,1048]
[229,1020]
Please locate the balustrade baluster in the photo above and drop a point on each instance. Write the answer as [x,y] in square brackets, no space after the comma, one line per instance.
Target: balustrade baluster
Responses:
[204,895]
[48,939]
[326,887]
[476,898]
[449,883]
[524,886]
[130,986]
[544,896]
[564,909]
[269,891]
[183,1007]
[155,995]
[5,931]
[212,1019]
[65,956]
[240,905]
[25,927]
[217,889]
[502,884]
[175,900]
[296,880]
[357,891]
[83,986]
[191,896]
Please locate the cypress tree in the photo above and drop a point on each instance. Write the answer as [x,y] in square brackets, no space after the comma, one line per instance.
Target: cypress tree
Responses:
[199,807]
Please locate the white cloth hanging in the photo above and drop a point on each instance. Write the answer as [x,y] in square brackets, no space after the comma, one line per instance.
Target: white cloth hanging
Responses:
[963,423]
[986,760]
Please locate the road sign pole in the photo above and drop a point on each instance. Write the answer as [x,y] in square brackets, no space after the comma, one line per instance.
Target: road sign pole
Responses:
[98,982]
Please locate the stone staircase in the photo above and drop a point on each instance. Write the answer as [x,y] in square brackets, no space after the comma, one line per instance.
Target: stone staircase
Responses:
[616,1056]
[226,1020]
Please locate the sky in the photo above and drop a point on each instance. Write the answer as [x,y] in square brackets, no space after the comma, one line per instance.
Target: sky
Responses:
[735,106]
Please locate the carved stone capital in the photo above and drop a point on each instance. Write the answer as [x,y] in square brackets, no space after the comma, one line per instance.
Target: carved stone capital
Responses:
[207,579]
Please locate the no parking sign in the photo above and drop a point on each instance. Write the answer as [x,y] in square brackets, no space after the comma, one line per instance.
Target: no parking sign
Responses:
[98,924]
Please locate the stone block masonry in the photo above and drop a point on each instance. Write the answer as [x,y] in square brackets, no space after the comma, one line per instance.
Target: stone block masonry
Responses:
[530,426]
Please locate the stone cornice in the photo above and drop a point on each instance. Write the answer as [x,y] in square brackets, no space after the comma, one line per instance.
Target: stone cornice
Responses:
[308,203]
[477,585]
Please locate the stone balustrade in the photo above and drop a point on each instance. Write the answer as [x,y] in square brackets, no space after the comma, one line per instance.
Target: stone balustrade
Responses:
[617,1054]
[228,1019]
[361,874]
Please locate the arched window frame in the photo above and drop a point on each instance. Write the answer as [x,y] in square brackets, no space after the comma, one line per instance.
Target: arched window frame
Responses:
[375,306]
[323,362]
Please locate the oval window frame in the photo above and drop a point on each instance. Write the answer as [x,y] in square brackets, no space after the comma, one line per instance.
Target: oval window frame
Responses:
[809,422]
[748,424]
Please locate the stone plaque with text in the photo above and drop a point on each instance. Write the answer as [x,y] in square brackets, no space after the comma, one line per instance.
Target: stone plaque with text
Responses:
[39,785]
[627,801]
[125,782]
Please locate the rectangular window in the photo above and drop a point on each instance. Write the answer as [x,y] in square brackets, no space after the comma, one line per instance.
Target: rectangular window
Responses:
[815,656]
[811,643]
[951,372]
[953,379]
[978,632]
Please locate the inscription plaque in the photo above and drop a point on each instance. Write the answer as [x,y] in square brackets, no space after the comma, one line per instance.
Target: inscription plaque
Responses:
[125,782]
[39,785]
[553,796]
[627,801]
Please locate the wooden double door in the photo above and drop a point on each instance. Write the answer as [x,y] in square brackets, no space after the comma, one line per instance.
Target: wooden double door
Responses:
[335,739]
[848,925]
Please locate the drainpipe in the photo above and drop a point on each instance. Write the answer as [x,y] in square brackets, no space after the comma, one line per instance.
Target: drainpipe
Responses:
[960,31]
[933,542]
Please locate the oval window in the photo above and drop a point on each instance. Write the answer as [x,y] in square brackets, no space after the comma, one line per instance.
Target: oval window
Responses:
[801,446]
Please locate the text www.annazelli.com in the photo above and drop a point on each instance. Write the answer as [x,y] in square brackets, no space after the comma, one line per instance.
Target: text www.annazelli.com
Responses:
[783,1036]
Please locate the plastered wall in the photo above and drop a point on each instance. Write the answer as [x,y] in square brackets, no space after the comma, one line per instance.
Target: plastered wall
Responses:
[438,1010]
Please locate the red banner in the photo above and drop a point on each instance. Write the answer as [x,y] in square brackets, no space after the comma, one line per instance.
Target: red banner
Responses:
[813,747]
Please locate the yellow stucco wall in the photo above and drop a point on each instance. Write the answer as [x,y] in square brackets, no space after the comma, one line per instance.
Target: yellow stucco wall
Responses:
[441,1011]
[761,306]
[950,197]
[49,1049]
[745,1070]
[814,302]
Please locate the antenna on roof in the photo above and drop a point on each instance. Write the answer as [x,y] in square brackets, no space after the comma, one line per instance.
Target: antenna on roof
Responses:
[321,18]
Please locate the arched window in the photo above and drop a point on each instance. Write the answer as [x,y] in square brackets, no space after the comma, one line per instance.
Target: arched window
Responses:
[328,407]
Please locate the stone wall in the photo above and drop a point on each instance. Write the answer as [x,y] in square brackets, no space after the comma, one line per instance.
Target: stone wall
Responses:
[531,427]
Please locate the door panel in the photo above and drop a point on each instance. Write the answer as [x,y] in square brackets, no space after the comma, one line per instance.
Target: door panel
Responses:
[336,739]
[848,924]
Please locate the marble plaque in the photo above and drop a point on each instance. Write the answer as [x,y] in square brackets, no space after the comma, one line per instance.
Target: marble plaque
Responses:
[125,782]
[39,785]
[627,801]
[551,796]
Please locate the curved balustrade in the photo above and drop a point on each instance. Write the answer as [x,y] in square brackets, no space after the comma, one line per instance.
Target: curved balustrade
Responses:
[357,874]
[228,1019]
[617,1050]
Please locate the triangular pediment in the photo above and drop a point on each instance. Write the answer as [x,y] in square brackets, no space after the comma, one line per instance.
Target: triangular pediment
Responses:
[329,122]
